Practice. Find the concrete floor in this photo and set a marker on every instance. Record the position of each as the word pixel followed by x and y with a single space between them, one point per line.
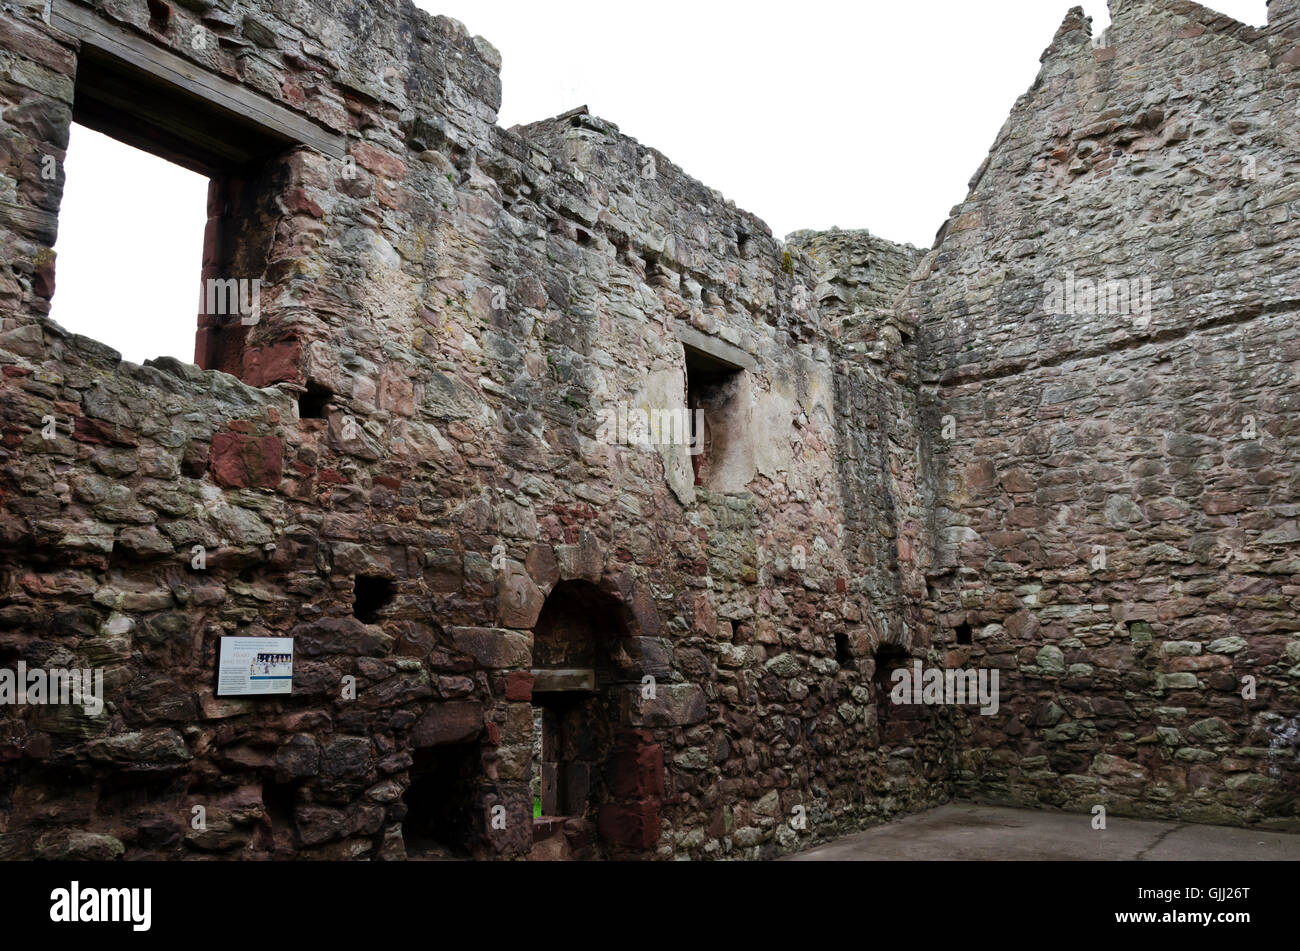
pixel 969 831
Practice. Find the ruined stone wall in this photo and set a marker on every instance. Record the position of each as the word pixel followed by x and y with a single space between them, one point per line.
pixel 859 277
pixel 1115 493
pixel 778 572
pixel 409 468
pixel 418 411
pixel 884 528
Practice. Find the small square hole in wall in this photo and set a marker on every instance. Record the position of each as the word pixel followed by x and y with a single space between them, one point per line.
pixel 842 655
pixel 313 403
pixel 371 595
pixel 963 633
pixel 714 410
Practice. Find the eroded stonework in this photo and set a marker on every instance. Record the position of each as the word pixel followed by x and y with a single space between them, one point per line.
pixel 401 464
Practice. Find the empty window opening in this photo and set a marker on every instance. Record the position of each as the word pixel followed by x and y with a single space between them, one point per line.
pixel 129 249
pixel 170 206
pixel 564 757
pixel 535 783
pixel 963 633
pixel 441 821
pixel 371 595
pixel 842 655
pixel 713 403
pixel 313 403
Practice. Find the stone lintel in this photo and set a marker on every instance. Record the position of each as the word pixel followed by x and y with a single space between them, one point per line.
pixel 715 349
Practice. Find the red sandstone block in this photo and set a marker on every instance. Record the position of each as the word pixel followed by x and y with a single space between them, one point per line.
pixel 102 433
pixel 519 686
pixel 630 825
pixel 276 363
pixel 378 161
pixel 43 278
pixel 34 45
pixel 237 461
pixel 299 203
pixel 450 722
pixel 636 773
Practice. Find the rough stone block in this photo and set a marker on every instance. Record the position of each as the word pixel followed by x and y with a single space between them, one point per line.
pixel 494 648
pixel 455 721
pixel 632 825
pixel 241 462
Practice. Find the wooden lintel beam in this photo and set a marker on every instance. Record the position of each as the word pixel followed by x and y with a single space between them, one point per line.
pixel 568 680
pixel 165 66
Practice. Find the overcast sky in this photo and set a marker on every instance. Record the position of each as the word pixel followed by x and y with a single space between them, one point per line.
pixel 868 114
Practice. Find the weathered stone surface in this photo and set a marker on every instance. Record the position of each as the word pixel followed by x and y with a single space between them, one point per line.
pixel 453 722
pixel 148 750
pixel 672 705
pixel 298 759
pixel 239 461
pixel 73 845
pixel 492 647
pixel 1108 460
pixel 906 456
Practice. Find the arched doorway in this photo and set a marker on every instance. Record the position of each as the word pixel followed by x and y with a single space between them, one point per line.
pixel 582 670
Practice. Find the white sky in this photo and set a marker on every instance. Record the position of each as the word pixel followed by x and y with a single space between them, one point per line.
pixel 868 114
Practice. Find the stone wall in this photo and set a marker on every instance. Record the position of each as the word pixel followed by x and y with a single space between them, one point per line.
pixel 1115 496
pixel 418 411
pixel 406 463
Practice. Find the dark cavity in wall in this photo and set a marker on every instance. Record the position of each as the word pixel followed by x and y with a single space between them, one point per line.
pixel 371 594
pixel 842 655
pixel 714 409
pixel 892 719
pixel 439 820
pixel 279 799
pixel 159 16
pixel 313 403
